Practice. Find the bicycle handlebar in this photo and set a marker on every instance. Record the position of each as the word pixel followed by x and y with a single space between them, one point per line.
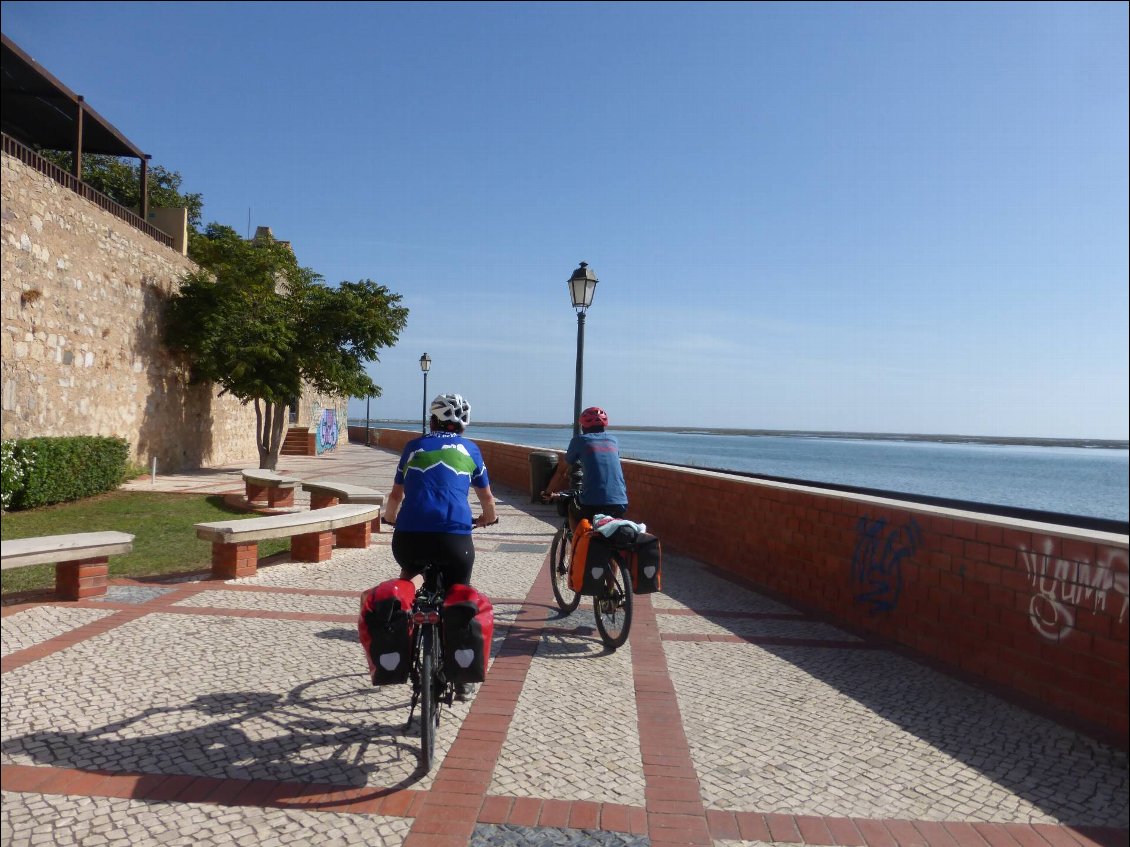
pixel 473 524
pixel 558 495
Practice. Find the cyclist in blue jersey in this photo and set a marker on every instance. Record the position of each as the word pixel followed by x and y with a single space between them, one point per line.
pixel 603 491
pixel 428 504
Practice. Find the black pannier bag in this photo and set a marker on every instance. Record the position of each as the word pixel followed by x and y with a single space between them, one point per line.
pixel 644 560
pixel 467 620
pixel 386 632
pixel 592 561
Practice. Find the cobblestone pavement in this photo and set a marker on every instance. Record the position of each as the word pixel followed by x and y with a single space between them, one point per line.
pixel 213 713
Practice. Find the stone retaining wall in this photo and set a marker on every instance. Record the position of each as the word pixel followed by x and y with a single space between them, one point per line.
pixel 1037 610
pixel 82 299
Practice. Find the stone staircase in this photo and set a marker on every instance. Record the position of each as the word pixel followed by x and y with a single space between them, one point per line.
pixel 297 442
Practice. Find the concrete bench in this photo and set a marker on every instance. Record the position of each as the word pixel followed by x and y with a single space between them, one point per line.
pixel 82 559
pixel 268 487
pixel 329 492
pixel 235 543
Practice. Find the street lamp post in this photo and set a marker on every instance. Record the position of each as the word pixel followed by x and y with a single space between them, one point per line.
pixel 367 421
pixel 425 365
pixel 582 286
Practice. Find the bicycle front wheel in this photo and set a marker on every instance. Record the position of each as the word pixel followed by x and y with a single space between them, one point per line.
pixel 429 711
pixel 560 561
pixel 613 607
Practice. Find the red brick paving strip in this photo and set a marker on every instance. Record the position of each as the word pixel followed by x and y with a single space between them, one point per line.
pixel 207 789
pixel 675 812
pixel 813 830
pixel 723 824
pixel 876 833
pixel 935 833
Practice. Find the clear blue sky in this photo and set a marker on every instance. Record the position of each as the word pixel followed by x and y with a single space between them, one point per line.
pixel 867 217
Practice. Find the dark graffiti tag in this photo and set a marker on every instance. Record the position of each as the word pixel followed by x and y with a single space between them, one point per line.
pixel 876 564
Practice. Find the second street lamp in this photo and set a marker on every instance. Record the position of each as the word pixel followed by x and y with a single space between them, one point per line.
pixel 425 366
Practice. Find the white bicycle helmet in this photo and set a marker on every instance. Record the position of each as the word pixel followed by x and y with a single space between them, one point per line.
pixel 451 408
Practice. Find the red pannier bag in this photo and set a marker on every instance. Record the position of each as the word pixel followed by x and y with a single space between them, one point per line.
pixel 592 560
pixel 385 628
pixel 644 559
pixel 467 622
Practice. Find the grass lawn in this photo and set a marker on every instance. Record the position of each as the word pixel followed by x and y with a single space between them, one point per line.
pixel 164 542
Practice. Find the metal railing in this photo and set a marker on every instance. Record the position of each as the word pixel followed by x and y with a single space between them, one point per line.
pixel 33 160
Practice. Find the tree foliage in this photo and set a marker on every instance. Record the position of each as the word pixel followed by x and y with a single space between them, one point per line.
pixel 120 180
pixel 261 326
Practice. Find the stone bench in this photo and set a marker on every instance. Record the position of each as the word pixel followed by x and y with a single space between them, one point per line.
pixel 82 559
pixel 269 488
pixel 328 492
pixel 235 543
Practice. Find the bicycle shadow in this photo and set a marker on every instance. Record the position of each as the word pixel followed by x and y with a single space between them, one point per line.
pixel 328 731
pixel 580 642
pixel 572 634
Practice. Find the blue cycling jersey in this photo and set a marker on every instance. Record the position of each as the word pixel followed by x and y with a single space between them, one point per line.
pixel 599 455
pixel 437 471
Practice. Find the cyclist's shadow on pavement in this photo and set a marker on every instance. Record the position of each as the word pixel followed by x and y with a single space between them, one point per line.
pixel 252 735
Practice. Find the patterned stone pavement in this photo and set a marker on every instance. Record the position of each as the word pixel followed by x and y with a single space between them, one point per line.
pixel 203 712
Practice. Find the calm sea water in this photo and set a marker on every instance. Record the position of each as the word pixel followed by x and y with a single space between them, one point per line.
pixel 1069 480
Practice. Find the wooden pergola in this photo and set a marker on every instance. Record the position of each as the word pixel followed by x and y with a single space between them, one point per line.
pixel 41 112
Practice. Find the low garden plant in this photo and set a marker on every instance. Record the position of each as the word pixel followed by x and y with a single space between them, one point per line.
pixel 41 471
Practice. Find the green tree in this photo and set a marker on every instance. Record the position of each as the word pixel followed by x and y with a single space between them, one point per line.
pixel 255 322
pixel 120 180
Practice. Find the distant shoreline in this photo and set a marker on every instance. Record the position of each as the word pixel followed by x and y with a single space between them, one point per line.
pixel 1093 443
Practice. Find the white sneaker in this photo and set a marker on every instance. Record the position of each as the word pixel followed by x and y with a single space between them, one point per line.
pixel 464 691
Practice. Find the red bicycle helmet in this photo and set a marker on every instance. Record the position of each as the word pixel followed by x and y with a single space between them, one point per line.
pixel 593 416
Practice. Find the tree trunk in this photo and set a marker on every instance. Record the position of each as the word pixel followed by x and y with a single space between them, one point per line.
pixel 270 418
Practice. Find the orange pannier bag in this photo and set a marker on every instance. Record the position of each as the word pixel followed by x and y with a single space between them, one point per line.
pixel 592 557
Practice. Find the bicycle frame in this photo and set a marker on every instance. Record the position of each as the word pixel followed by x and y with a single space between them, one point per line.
pixel 427 637
pixel 430 686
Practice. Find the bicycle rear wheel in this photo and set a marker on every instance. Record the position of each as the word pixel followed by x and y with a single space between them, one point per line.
pixel 613 607
pixel 429 694
pixel 560 561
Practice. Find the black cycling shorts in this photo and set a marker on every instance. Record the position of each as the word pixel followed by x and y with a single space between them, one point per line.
pixel 453 554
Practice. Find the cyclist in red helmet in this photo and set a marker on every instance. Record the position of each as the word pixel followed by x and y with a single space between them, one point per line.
pixel 603 491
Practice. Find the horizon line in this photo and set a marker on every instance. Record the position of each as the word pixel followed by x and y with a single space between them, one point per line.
pixel 1034 440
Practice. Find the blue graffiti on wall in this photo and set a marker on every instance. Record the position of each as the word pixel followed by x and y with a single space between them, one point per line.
pixel 876 565
pixel 325 435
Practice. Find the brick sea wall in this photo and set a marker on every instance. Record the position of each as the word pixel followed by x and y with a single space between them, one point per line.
pixel 1038 610
pixel 82 298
